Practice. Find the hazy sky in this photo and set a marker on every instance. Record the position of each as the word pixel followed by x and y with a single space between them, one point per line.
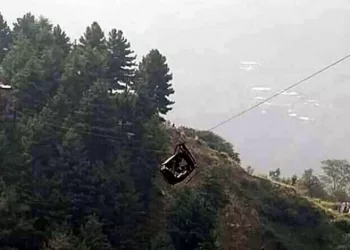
pixel 205 41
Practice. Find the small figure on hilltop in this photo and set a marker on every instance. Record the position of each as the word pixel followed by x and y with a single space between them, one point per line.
pixel 250 170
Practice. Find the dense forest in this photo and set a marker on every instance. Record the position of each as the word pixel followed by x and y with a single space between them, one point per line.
pixel 80 145
pixel 83 131
pixel 82 135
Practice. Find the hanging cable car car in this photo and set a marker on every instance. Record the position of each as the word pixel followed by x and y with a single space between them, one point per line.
pixel 180 165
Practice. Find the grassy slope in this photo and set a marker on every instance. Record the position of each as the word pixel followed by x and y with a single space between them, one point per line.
pixel 260 212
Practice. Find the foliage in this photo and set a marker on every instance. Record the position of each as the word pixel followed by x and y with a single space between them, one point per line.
pixel 336 176
pixel 275 174
pixel 193 222
pixel 61 239
pixel 5 38
pixel 121 61
pixel 312 185
pixel 345 242
pixel 153 83
pixel 81 159
pixel 287 221
pixel 213 141
pixel 194 219
pixel 91 235
pixel 78 165
pixel 340 195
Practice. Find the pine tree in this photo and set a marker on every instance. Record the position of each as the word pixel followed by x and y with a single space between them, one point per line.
pixel 97 117
pixel 61 238
pixel 80 178
pixel 44 38
pixel 93 37
pixel 16 227
pixel 34 65
pixel 93 45
pixel 83 67
pixel 48 202
pixel 92 236
pixel 192 222
pixel 54 55
pixel 17 58
pixel 5 38
pixel 25 71
pixel 122 206
pixel 37 31
pixel 121 62
pixel 153 85
pixel 25 28
pixel 74 79
pixel 75 149
pixel 61 39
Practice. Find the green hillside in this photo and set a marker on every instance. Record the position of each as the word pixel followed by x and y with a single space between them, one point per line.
pixel 82 135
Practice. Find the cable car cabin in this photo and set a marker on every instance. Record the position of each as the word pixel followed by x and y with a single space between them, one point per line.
pixel 180 165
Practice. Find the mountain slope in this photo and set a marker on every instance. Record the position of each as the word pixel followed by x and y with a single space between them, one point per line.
pixel 257 213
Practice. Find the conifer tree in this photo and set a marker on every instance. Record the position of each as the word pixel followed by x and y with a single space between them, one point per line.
pixel 44 38
pixel 24 70
pixel 5 38
pixel 34 65
pixel 153 83
pixel 61 39
pixel 97 116
pixel 93 37
pixel 74 79
pixel 25 28
pixel 74 149
pixel 61 238
pixel 121 62
pixel 83 67
pixel 92 236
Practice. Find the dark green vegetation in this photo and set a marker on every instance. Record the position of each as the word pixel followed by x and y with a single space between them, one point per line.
pixel 332 185
pixel 79 157
pixel 78 160
pixel 288 221
pixel 214 142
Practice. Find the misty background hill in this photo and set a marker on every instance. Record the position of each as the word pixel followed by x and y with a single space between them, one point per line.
pixel 205 42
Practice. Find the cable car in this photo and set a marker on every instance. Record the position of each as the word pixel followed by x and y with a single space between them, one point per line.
pixel 180 165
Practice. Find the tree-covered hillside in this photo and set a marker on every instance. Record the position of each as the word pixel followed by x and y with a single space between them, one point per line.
pixel 81 146
pixel 82 133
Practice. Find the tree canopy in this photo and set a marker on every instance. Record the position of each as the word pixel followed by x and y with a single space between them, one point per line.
pixel 82 138
pixel 79 169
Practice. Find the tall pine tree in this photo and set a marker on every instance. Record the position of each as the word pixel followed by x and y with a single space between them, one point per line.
pixel 25 27
pixel 93 37
pixel 34 65
pixel 79 151
pixel 153 83
pixel 121 61
pixel 61 39
pixel 5 38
